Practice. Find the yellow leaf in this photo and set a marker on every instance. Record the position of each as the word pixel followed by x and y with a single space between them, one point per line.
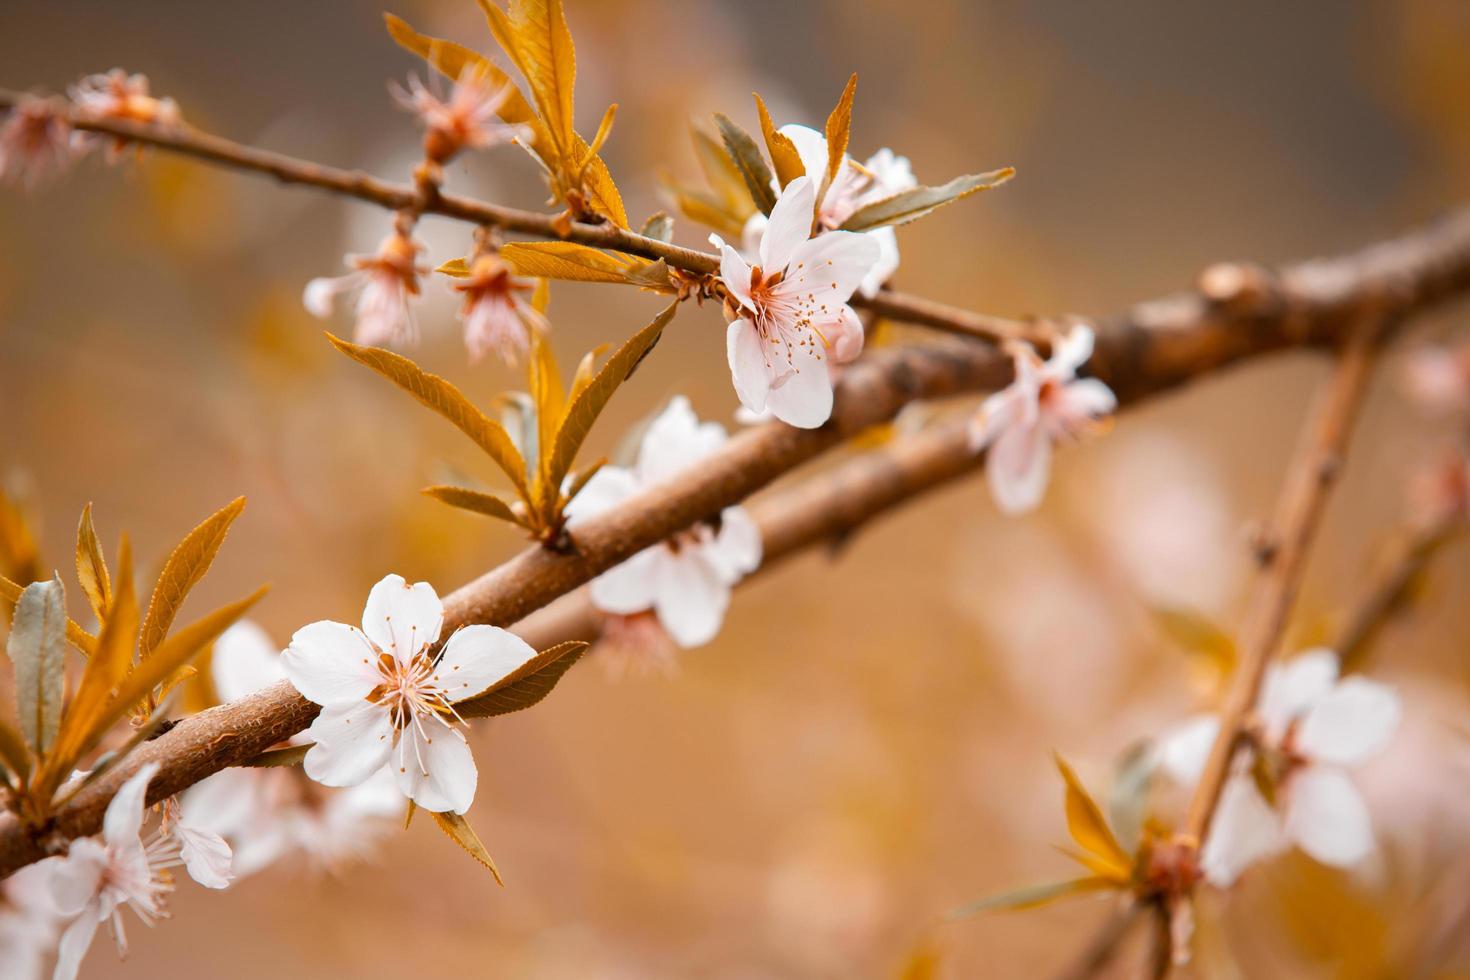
pixel 839 128
pixel 474 500
pixel 13 752
pixel 460 831
pixel 1088 828
pixel 526 685
pixel 549 62
pixel 444 398
pixel 586 371
pixel 723 175
pixel 183 570
pixel 602 192
pixel 783 152
pixel 541 296
pixel 1033 896
pixel 20 556
pixel 75 635
pixel 566 260
pixel 92 566
pixel 458 268
pixel 590 402
pixel 604 129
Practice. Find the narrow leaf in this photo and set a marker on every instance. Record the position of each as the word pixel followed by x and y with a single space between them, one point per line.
pixel 549 62
pixel 20 555
pixel 460 831
pixel 1088 828
pixel 526 685
pixel 75 635
pixel 183 570
pixel 590 402
pixel 290 756
pixel 604 129
pixel 839 129
pixel 549 400
pixel 1031 896
pixel 1195 634
pixel 37 648
pixel 92 566
pixel 474 500
pixel 602 192
pixel 724 176
pixel 13 751
pixel 659 227
pixel 784 155
pixel 439 395
pixel 748 161
pixel 105 763
pixel 564 260
pixel 457 268
pixel 909 205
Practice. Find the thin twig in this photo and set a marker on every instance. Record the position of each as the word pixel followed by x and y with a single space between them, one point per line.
pixel 1104 946
pixel 1313 473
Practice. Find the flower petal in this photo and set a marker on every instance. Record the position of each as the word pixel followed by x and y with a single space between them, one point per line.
pixel 1018 468
pixel 790 225
pixel 244 661
pixel 749 370
pixel 692 598
pixel 1070 353
pixel 331 663
pixel 630 587
pixel 76 878
pixel 1245 830
pixel 401 618
pixel 1183 751
pixel 1326 816
pixel 885 265
pixel 434 766
pixel 845 337
pixel 206 856
pixel 1087 398
pixel 734 272
pixel 352 742
pixel 1292 687
pixel 803 396
pixel 124 817
pixel 811 146
pixel 74 945
pixel 737 548
pixel 824 273
pixel 476 657
pixel 675 439
pixel 1350 724
pixel 608 487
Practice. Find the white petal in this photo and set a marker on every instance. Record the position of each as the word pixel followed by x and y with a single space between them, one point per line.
pixel 76 878
pixel 352 742
pixel 1349 725
pixel 124 817
pixel 1182 752
pixel 377 796
pixel 1244 831
pixel 748 368
pixel 995 415
pixel 790 225
pixel 608 487
pixel 1294 686
pixel 225 803
pixel 1018 468
pixel 845 337
pixel 206 856
pixel 734 272
pixel 737 548
pixel 330 663
pixel 811 146
pixel 402 618
pixel 692 598
pixel 1087 398
pixel 676 439
pixel 1070 353
pixel 435 768
pixel 476 657
pixel 318 295
pixel 803 396
pixel 74 945
pixel 630 587
pixel 1326 816
pixel 750 237
pixel 885 265
pixel 244 661
pixel 825 271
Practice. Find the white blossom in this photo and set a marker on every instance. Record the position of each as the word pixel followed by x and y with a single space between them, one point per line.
pixel 384 282
pixel 1046 403
pixel 686 580
pixel 789 312
pixel 386 695
pixel 1314 728
pixel 28 921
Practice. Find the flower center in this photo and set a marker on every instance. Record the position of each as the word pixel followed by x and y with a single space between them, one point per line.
pixel 787 321
pixel 408 690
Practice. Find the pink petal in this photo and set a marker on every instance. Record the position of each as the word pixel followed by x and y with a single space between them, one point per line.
pixel 803 397
pixel 749 371
pixel 1018 468
pixel 790 225
pixel 476 657
pixel 401 618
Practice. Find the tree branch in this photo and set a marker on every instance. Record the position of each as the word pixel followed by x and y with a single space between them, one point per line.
pixel 1313 473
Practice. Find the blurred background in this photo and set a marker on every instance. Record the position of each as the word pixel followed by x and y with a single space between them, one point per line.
pixel 867 743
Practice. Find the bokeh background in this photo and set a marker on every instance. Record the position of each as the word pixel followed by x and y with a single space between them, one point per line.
pixel 866 745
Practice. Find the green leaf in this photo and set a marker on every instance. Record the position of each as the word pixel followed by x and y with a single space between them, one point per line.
pixel 290 756
pixel 746 156
pixel 659 227
pixel 526 685
pixel 439 395
pixel 37 648
pixel 1088 828
pixel 92 566
pixel 909 205
pixel 460 831
pixel 590 402
pixel 1032 896
pixel 784 155
pixel 474 500
pixel 183 570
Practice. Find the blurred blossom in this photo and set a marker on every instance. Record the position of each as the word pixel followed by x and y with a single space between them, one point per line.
pixel 35 143
pixel 465 120
pixel 686 580
pixel 272 813
pixel 495 315
pixel 635 644
pixel 826 903
pixel 1438 378
pixel 788 313
pixel 386 695
pixel 384 283
pixel 1046 403
pixel 28 921
pixel 1313 728
pixel 855 186
pixel 1439 490
pixel 116 95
